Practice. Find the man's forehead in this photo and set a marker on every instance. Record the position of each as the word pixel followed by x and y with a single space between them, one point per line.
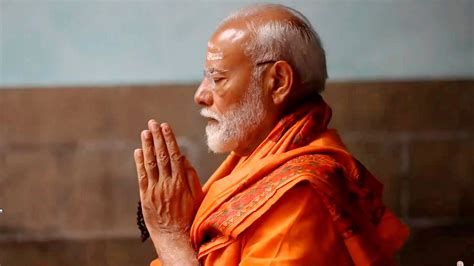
pixel 225 48
pixel 226 39
pixel 217 62
pixel 232 35
pixel 213 56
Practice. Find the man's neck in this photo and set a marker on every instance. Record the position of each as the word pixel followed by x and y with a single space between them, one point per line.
pixel 255 138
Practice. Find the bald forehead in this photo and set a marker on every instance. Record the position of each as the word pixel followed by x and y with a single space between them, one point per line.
pixel 233 33
pixel 226 44
pixel 237 28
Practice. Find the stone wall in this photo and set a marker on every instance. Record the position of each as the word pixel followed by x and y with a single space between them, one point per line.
pixel 68 187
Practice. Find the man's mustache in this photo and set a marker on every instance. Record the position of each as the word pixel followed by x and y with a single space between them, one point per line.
pixel 205 112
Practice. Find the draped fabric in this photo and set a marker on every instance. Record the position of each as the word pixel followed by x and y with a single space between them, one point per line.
pixel 299 150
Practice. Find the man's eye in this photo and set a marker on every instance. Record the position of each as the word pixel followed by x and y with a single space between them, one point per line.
pixel 217 79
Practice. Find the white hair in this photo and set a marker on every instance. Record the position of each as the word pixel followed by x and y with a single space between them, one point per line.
pixel 293 40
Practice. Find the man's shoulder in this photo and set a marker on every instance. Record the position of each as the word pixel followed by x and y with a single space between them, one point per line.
pixel 307 166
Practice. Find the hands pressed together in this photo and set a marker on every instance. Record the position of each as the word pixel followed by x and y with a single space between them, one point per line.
pixel 170 193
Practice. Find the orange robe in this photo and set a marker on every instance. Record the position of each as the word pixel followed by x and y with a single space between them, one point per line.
pixel 299 199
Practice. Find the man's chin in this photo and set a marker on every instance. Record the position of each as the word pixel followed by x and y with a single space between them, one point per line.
pixel 217 146
pixel 216 151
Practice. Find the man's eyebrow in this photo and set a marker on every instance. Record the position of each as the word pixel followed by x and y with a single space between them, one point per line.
pixel 213 70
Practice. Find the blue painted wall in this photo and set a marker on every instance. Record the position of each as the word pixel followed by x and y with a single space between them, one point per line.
pixel 115 42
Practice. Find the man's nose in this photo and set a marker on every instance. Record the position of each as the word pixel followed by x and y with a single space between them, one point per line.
pixel 203 95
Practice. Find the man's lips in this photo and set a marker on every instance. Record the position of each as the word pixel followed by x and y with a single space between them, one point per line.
pixel 211 120
pixel 210 116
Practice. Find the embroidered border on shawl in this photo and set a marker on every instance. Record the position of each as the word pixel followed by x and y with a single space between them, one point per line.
pixel 236 209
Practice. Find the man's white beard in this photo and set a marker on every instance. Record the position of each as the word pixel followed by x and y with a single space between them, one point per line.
pixel 235 125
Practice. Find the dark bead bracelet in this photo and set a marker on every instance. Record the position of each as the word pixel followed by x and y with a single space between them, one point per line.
pixel 141 223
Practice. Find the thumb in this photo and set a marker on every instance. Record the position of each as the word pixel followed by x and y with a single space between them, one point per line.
pixel 193 180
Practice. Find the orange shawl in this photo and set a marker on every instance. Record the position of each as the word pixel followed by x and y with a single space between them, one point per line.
pixel 371 233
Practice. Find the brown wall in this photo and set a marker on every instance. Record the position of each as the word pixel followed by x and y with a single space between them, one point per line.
pixel 68 186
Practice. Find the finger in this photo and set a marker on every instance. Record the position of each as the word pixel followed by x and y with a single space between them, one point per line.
pixel 149 158
pixel 176 162
pixel 193 180
pixel 141 172
pixel 160 150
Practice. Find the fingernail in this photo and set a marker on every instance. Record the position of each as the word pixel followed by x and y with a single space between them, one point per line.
pixel 166 128
pixel 145 134
pixel 137 152
pixel 154 126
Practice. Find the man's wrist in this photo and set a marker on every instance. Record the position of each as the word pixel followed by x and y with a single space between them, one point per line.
pixel 175 248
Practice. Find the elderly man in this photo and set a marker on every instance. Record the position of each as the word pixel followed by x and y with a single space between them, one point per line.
pixel 289 193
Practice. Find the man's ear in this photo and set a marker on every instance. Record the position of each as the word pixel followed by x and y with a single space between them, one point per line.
pixel 282 76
